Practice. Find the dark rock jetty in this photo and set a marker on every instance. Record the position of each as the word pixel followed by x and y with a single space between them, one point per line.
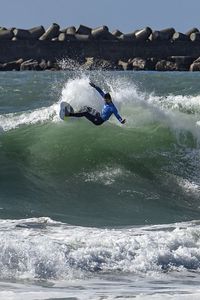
pixel 97 48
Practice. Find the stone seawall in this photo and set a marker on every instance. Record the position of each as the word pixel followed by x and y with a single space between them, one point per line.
pixel 37 49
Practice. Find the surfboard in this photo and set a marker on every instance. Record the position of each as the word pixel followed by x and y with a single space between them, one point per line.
pixel 65 110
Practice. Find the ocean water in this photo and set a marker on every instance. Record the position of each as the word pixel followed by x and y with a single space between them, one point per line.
pixel 108 212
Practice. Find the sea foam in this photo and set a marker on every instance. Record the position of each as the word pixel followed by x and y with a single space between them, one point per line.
pixel 43 249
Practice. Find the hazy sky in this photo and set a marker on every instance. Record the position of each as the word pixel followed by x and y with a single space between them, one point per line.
pixel 126 15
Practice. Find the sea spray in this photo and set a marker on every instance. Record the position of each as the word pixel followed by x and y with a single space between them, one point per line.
pixel 70 166
pixel 44 249
pixel 114 184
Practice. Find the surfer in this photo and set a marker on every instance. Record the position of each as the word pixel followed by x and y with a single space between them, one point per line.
pixel 93 115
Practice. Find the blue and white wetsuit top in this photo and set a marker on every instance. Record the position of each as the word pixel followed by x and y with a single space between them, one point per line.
pixel 108 109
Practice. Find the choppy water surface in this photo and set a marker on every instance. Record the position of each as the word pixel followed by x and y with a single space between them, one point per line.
pixel 111 211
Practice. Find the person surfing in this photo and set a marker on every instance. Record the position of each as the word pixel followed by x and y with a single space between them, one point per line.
pixel 93 115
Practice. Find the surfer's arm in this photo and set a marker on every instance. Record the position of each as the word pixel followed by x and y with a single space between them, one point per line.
pixel 97 89
pixel 119 118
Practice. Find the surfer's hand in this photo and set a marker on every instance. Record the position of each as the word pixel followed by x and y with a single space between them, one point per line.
pixel 123 121
pixel 92 84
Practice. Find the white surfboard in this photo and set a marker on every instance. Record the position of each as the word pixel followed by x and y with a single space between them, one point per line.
pixel 65 110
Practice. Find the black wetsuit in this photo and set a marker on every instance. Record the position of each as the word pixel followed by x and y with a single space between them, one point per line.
pixel 93 115
pixel 90 113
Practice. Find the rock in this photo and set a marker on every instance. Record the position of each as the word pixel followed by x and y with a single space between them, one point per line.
pixel 43 65
pixel 30 65
pixel 127 37
pixel 117 33
pixel 70 37
pixel 195 67
pixel 162 35
pixel 182 62
pixel 22 34
pixel 139 63
pixel 66 37
pixel 178 36
pixel 13 65
pixel 143 34
pixel 125 65
pixel 193 30
pixel 84 30
pixel 62 37
pixel 195 37
pixel 98 64
pixel 51 32
pixel 89 64
pixel 82 37
pixel 71 30
pixel 6 34
pixel 159 36
pixel 102 33
pixel 197 60
pixel 164 65
pixel 168 32
pixel 51 65
pixel 36 32
pixel 63 30
pixel 2 67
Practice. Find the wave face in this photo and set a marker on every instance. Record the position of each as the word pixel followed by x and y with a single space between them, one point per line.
pixel 146 172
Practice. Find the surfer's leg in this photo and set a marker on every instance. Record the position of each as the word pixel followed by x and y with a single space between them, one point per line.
pixel 89 113
pixel 81 113
pixel 95 119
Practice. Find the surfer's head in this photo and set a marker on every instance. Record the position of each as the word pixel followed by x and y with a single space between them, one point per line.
pixel 107 98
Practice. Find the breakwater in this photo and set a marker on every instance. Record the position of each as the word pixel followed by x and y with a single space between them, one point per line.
pixel 83 47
